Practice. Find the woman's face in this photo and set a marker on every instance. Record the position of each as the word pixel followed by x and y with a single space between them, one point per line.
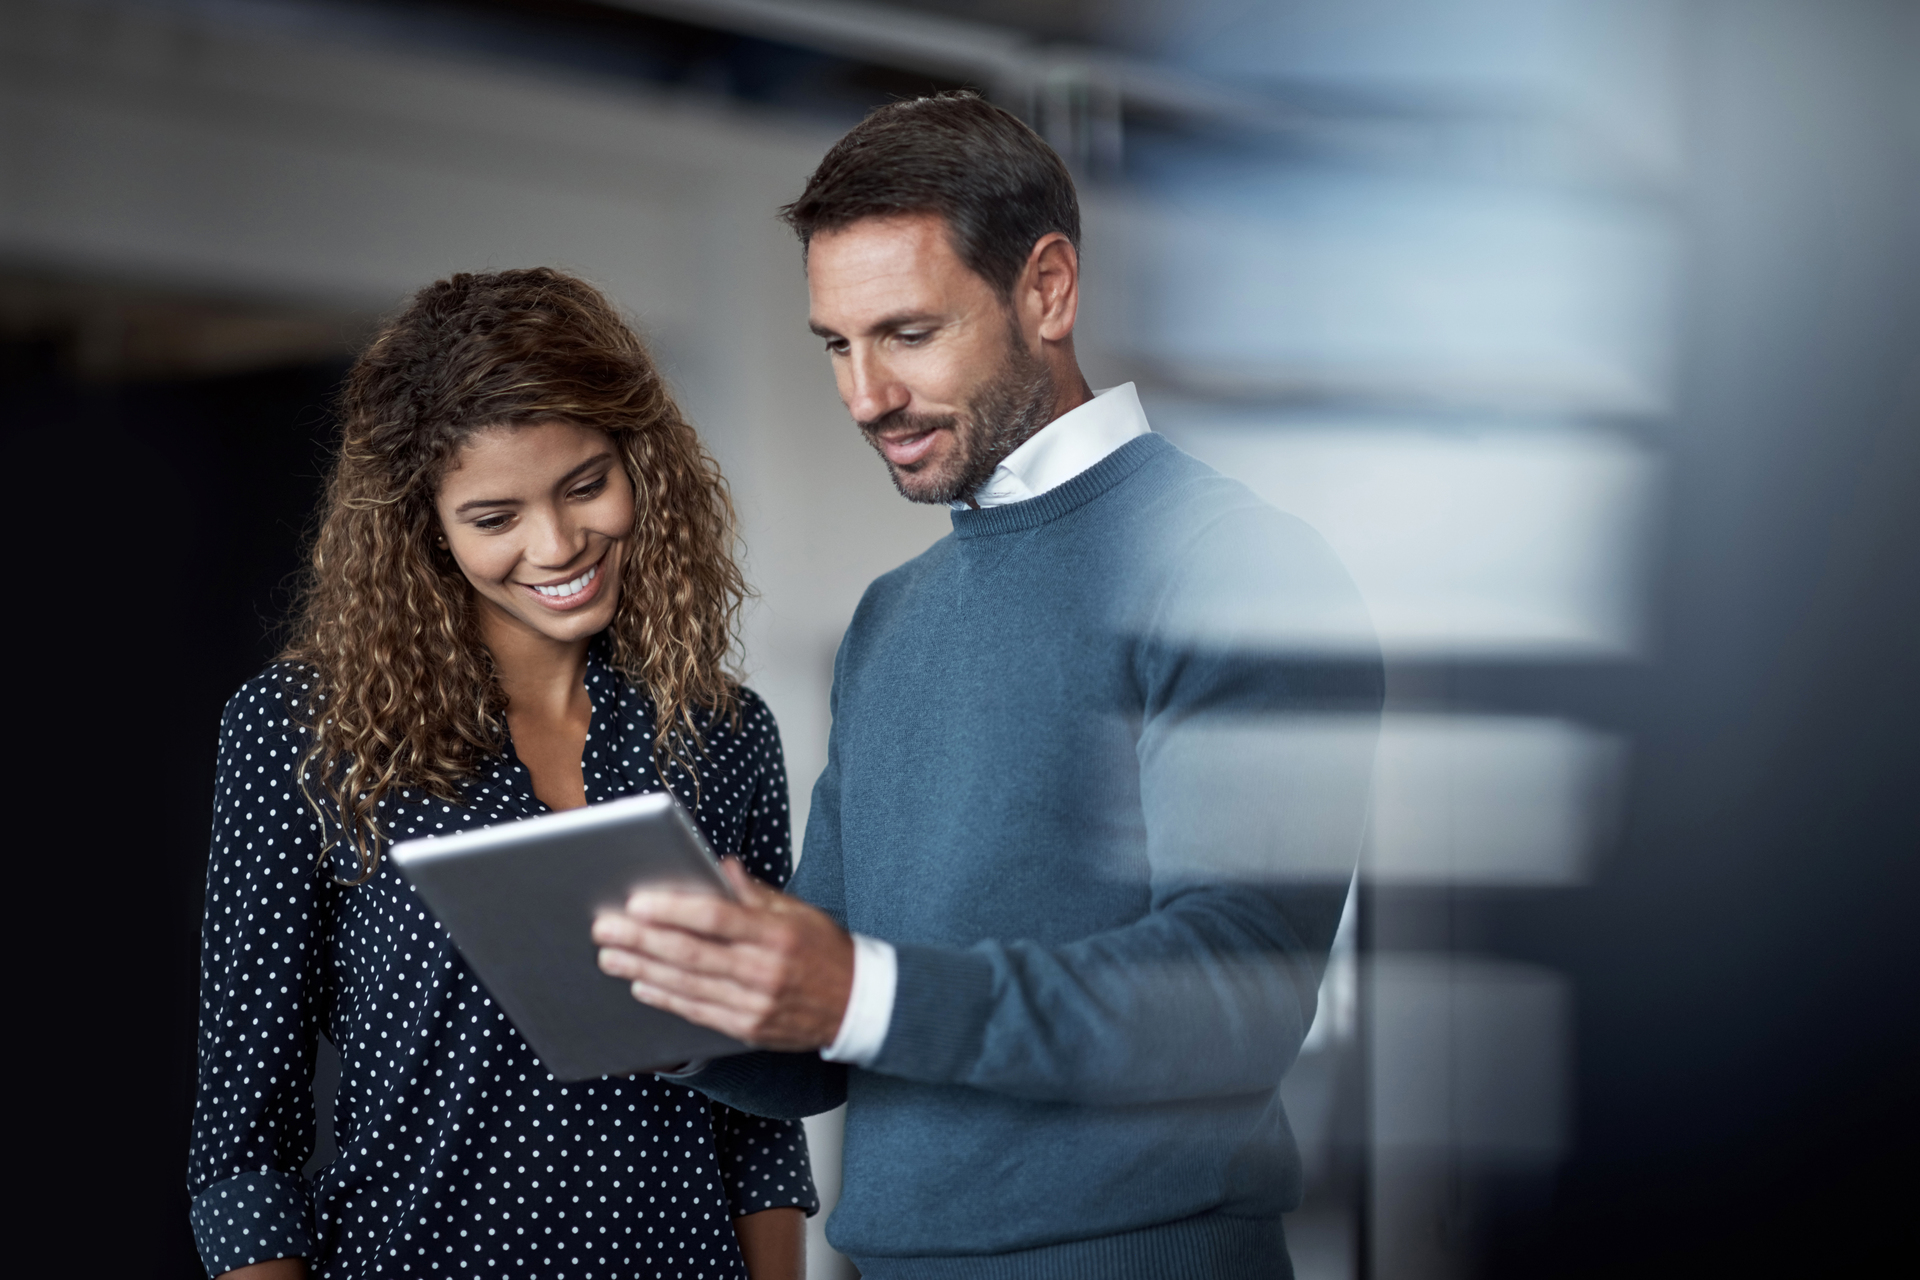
pixel 538 517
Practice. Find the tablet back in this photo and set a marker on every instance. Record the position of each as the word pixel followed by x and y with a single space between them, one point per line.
pixel 519 900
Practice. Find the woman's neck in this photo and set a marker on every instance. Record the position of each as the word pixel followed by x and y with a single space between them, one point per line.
pixel 543 678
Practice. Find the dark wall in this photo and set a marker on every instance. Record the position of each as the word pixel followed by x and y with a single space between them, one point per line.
pixel 161 523
pixel 1746 966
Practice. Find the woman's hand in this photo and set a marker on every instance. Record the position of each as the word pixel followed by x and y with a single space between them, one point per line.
pixel 774 1244
pixel 278 1269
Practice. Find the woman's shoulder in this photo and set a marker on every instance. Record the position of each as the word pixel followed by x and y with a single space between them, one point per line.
pixel 750 719
pixel 743 731
pixel 754 710
pixel 280 697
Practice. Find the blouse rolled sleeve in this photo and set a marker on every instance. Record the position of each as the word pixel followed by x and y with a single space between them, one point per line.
pixel 261 991
pixel 766 843
pixel 763 1163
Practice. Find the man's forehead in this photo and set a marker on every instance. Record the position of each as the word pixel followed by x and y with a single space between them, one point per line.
pixel 923 232
pixel 882 265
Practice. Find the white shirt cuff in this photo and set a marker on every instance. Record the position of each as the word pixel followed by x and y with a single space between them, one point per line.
pixel 863 1028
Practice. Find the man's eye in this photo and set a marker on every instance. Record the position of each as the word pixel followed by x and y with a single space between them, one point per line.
pixel 912 337
pixel 836 346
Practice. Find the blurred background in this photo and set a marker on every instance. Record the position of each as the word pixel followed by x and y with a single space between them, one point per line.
pixel 1586 330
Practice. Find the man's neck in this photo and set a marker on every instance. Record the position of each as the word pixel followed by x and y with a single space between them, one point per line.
pixel 1073 391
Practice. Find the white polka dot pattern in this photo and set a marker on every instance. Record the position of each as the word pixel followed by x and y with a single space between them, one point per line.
pixel 458 1154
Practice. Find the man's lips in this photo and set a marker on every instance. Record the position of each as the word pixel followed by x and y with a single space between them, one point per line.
pixel 903 449
pixel 566 594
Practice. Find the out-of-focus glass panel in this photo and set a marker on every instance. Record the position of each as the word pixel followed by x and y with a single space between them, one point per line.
pixel 1490 800
pixel 1496 543
pixel 1606 70
pixel 1403 287
pixel 1469 1055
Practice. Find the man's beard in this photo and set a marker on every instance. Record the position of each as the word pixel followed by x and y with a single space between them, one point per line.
pixel 1002 415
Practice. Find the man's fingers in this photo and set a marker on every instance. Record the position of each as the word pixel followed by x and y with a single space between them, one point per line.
pixel 723 992
pixel 681 950
pixel 724 1020
pixel 745 921
pixel 613 928
pixel 750 891
pixel 617 929
pixel 695 912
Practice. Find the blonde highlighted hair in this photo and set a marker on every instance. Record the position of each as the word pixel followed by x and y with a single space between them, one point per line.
pixel 406 694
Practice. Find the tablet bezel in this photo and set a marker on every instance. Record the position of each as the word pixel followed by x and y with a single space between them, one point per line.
pixel 518 901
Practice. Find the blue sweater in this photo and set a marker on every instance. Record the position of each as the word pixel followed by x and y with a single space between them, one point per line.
pixel 1098 772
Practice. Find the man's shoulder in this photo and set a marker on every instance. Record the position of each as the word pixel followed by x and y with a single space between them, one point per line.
pixel 1184 509
pixel 1216 564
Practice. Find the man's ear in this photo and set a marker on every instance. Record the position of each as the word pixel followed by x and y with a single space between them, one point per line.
pixel 1051 282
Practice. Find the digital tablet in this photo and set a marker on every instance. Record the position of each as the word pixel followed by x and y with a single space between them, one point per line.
pixel 519 900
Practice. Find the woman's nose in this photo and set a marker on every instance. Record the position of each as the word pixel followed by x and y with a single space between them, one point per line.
pixel 555 541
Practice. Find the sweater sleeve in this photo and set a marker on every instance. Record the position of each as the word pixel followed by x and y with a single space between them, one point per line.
pixel 1255 759
pixel 262 992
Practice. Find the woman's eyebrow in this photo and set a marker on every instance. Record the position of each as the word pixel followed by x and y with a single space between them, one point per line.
pixel 588 465
pixel 566 479
pixel 464 507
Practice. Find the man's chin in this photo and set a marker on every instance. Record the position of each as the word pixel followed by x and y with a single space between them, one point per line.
pixel 934 488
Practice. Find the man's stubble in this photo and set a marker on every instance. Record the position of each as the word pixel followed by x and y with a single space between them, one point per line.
pixel 1001 416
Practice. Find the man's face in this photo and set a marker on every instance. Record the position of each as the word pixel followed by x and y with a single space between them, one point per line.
pixel 929 359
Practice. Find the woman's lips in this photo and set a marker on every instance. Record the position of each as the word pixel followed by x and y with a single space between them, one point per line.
pixel 575 593
pixel 904 451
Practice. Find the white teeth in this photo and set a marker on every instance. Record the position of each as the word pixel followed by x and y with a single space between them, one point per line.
pixel 573 588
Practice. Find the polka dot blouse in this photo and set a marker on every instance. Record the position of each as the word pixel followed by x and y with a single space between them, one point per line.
pixel 458 1154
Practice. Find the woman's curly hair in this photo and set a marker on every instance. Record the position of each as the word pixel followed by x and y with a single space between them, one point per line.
pixel 406 693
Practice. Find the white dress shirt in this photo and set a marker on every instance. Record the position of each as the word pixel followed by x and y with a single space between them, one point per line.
pixel 1050 457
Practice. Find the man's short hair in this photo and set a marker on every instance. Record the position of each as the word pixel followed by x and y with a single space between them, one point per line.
pixel 997 183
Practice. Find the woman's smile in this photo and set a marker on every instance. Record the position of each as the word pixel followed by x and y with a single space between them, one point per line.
pixel 569 593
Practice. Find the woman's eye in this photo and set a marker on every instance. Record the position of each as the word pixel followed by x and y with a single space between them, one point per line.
pixel 491 524
pixel 591 489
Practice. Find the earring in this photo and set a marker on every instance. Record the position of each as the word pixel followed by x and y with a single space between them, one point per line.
pixel 442 540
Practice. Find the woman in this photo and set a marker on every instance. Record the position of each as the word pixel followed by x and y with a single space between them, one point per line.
pixel 521 599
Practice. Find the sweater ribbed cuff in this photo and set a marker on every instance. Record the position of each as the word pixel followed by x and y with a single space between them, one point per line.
pixel 942 1000
pixel 724 1078
pixel 253 1217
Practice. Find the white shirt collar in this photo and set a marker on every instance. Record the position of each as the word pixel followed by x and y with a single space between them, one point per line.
pixel 1065 447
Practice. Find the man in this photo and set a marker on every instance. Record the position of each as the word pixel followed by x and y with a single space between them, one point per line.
pixel 1094 787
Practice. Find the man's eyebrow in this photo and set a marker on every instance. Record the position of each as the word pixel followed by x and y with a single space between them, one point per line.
pixel 901 320
pixel 588 465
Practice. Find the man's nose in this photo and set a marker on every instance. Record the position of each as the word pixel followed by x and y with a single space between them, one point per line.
pixel 871 390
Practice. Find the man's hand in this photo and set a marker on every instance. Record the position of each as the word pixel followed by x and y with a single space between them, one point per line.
pixel 768 970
